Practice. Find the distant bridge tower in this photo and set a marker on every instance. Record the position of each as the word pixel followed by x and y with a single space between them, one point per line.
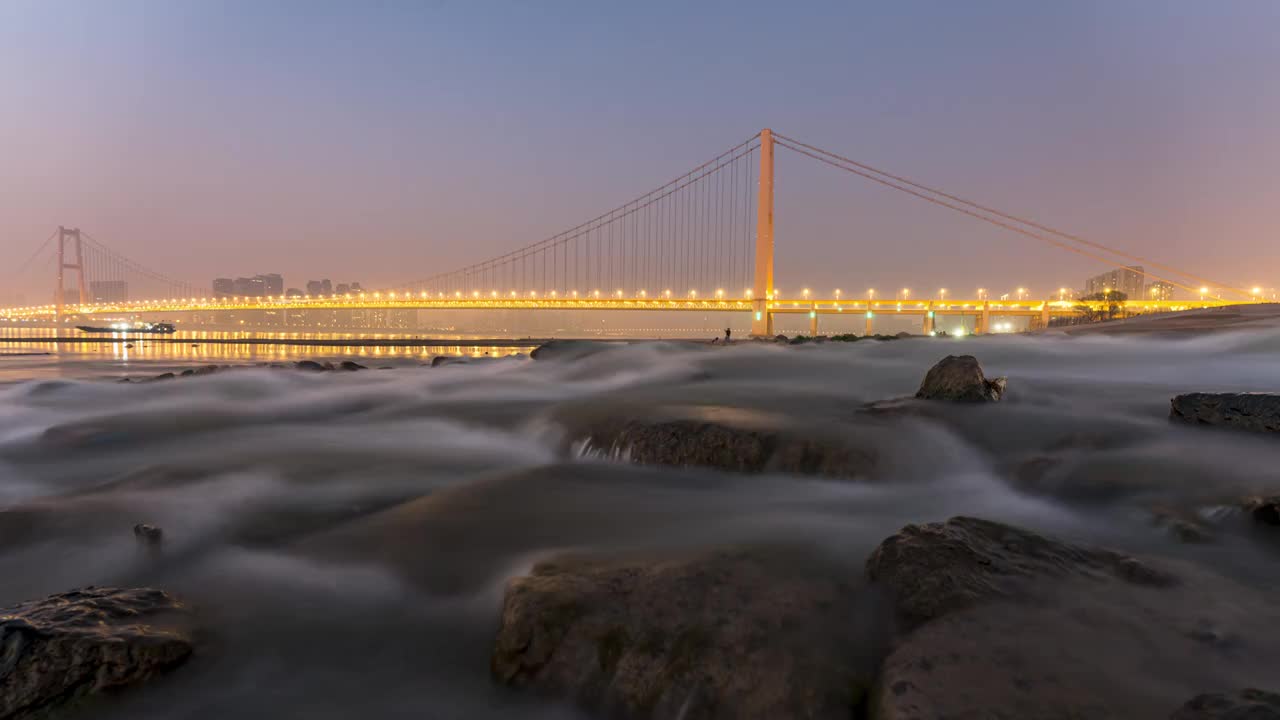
pixel 65 234
pixel 762 292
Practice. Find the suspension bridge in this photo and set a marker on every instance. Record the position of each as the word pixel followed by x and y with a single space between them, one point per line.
pixel 703 241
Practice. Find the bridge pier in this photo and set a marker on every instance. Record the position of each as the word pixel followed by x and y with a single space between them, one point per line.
pixel 1044 315
pixel 870 322
pixel 928 319
pixel 761 319
pixel 813 320
pixel 762 292
pixel 983 326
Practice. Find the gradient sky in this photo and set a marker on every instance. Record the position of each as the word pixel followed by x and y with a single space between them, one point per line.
pixel 384 141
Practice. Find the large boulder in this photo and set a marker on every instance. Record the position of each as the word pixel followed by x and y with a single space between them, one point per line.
pixel 728 444
pixel 771 634
pixel 65 646
pixel 960 378
pixel 569 350
pixel 938 568
pixel 1000 622
pixel 1248 704
pixel 1257 412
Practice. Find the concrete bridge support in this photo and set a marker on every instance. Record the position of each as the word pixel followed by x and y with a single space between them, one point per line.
pixel 762 292
pixel 983 326
pixel 59 300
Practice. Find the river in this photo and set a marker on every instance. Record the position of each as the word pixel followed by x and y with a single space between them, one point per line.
pixel 314 520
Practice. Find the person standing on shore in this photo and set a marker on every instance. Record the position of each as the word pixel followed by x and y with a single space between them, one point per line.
pixel 727 333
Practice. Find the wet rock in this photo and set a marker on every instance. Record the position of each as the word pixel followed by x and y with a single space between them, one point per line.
pixel 188 372
pixel 1264 511
pixel 1248 704
pixel 84 642
pixel 1001 622
pixel 1184 527
pixel 780 339
pixel 960 378
pixel 567 350
pixel 442 360
pixel 725 446
pixel 164 376
pixel 1256 412
pixel 351 366
pixel 902 335
pixel 149 535
pixel 729 634
pixel 938 568
pixel 310 365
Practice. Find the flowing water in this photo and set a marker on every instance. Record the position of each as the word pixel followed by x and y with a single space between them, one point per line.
pixel 345 537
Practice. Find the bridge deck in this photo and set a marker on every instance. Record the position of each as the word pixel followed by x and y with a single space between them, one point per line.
pixel 829 306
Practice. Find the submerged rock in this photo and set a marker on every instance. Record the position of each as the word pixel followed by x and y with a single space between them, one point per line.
pixel 1248 704
pixel 149 535
pixel 725 446
pixel 310 365
pixel 1257 412
pixel 351 366
pixel 1184 527
pixel 567 350
pixel 83 642
pixel 729 634
pixel 960 378
pixel 1264 510
pixel 441 360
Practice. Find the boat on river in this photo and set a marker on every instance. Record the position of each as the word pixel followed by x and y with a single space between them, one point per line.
pixel 150 328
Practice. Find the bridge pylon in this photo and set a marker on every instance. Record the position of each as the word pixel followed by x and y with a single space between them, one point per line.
pixel 59 300
pixel 762 291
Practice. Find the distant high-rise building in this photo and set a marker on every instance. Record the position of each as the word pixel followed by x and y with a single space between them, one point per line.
pixel 319 287
pixel 1127 280
pixel 355 287
pixel 273 284
pixel 294 292
pixel 1159 290
pixel 106 291
pixel 251 287
pixel 342 288
pixel 223 287
pixel 256 286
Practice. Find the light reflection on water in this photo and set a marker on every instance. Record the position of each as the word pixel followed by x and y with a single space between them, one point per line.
pixel 125 354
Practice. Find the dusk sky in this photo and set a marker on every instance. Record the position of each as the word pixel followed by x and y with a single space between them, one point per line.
pixel 384 141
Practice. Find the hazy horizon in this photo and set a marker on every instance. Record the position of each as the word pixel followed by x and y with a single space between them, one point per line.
pixel 380 145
